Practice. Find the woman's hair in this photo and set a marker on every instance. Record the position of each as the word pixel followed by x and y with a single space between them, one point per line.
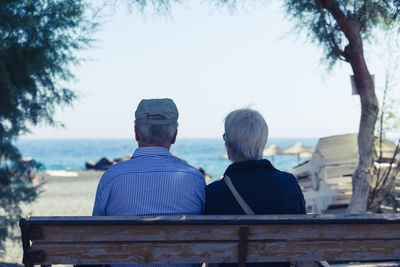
pixel 247 132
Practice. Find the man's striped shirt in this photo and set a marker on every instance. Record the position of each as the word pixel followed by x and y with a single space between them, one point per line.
pixel 152 182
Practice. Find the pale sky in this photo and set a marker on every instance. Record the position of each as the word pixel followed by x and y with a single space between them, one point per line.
pixel 210 61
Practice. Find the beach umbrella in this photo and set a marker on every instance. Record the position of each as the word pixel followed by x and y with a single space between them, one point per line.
pixel 305 155
pixel 299 150
pixel 224 156
pixel 272 150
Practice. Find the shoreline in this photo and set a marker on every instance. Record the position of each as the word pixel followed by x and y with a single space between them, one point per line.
pixel 61 196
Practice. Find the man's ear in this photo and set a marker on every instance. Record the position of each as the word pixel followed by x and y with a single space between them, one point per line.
pixel 136 135
pixel 174 138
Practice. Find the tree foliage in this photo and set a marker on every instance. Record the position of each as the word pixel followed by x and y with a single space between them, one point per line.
pixel 38 41
pixel 323 28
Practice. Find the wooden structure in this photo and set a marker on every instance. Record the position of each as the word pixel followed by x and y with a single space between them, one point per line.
pixel 212 239
pixel 326 179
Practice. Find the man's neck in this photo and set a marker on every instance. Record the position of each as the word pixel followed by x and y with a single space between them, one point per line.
pixel 143 144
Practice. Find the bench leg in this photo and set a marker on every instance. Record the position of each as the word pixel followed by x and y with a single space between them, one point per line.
pixel 23 224
pixel 243 245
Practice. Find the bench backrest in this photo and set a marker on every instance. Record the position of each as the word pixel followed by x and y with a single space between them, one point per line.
pixel 197 239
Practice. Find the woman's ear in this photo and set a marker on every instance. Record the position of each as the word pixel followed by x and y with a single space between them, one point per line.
pixel 228 146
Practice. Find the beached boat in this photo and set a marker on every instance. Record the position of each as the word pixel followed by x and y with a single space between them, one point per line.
pixel 326 179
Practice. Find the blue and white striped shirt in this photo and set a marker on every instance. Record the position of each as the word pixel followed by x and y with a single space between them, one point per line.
pixel 152 182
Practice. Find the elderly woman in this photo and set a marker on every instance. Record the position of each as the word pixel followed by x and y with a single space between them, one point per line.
pixel 251 185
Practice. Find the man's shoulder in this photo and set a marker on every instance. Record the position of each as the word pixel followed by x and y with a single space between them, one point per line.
pixel 120 167
pixel 114 171
pixel 140 165
pixel 184 166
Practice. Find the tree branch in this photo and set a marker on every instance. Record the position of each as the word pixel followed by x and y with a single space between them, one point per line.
pixel 330 37
pixel 345 24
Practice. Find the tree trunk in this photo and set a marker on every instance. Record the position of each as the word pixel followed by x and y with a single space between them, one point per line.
pixel 369 112
pixel 354 54
pixel 364 172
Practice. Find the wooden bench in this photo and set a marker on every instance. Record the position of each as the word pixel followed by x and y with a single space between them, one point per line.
pixel 212 239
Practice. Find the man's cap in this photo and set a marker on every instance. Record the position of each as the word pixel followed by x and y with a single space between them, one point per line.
pixel 156 112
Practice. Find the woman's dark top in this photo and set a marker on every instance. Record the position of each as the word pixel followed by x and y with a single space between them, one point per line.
pixel 265 189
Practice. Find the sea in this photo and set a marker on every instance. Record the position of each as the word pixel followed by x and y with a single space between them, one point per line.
pixel 71 154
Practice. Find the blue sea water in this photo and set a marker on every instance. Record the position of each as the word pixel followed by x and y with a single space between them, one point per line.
pixel 71 154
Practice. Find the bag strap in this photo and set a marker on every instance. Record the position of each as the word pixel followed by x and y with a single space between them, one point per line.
pixel 238 197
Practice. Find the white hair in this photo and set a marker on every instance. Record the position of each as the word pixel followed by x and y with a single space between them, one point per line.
pixel 247 132
pixel 156 134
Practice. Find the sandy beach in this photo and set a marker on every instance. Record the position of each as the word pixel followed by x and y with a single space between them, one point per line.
pixel 62 196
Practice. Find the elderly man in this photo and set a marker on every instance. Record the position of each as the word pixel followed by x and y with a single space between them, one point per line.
pixel 152 181
pixel 251 185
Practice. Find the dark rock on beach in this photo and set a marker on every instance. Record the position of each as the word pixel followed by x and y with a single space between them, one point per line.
pixel 90 165
pixel 104 163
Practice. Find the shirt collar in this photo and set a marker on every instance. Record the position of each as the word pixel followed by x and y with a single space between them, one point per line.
pixel 242 165
pixel 151 150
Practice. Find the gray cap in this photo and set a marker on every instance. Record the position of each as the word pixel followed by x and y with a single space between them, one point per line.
pixel 148 109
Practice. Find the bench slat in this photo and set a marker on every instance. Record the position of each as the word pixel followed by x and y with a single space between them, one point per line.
pixel 218 252
pixel 126 233
pixel 217 219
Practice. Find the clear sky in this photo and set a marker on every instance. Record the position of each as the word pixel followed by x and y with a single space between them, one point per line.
pixel 210 61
